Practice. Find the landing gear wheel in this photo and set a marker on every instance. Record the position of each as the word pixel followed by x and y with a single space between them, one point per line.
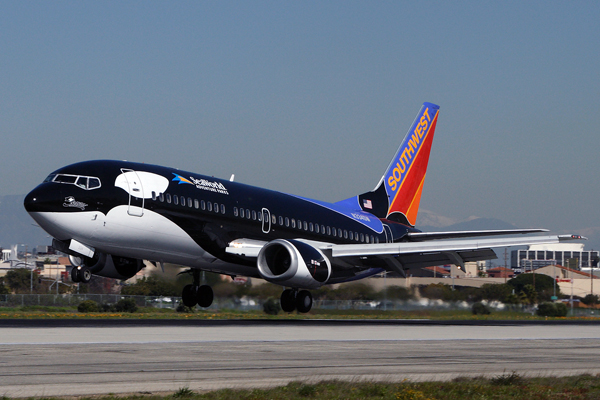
pixel 75 275
pixel 304 301
pixel 205 296
pixel 288 300
pixel 188 296
pixel 84 274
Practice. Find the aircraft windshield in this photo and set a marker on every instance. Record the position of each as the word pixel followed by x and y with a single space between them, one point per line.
pixel 84 182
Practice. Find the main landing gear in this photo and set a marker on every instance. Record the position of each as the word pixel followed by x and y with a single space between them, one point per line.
pixel 292 299
pixel 81 274
pixel 197 294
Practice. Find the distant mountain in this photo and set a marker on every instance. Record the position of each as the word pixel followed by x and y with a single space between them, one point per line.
pixel 432 223
pixel 17 227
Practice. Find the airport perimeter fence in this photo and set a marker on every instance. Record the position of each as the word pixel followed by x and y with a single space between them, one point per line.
pixel 245 303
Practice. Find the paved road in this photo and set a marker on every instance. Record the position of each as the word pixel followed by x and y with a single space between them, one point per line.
pixel 90 358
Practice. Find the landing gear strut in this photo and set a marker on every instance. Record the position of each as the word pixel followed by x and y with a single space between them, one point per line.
pixel 197 294
pixel 292 299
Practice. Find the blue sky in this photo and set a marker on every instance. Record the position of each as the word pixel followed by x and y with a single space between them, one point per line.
pixel 313 98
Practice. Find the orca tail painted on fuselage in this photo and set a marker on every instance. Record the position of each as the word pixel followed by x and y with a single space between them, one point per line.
pixel 398 193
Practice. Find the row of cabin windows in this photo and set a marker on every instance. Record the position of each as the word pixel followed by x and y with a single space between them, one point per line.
pixel 257 216
pixel 307 226
pixel 195 203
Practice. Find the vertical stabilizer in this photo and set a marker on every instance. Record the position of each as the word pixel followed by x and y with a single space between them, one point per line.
pixel 398 194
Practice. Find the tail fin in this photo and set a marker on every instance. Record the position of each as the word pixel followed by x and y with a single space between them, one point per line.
pixel 398 193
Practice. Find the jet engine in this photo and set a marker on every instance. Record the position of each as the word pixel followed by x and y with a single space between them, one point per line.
pixel 293 263
pixel 109 266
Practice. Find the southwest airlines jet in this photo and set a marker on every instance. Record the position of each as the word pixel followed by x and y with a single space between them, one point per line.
pixel 110 215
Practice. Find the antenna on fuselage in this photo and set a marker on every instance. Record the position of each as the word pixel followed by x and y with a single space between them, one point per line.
pixel 232 178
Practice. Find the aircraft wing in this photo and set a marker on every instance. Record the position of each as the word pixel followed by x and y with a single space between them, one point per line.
pixel 400 256
pixel 407 255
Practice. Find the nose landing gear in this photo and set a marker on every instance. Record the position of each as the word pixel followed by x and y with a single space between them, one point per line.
pixel 292 299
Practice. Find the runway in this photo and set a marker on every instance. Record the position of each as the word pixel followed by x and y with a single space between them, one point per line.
pixel 91 358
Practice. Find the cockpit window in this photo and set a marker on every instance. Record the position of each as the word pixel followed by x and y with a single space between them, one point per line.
pixel 65 178
pixel 84 182
pixel 93 183
pixel 50 178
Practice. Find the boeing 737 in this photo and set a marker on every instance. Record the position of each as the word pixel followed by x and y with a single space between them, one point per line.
pixel 109 216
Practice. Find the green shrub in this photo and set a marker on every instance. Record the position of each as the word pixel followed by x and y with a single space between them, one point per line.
pixel 88 306
pixel 271 306
pixel 183 308
pixel 126 305
pixel 480 309
pixel 105 307
pixel 561 309
pixel 549 309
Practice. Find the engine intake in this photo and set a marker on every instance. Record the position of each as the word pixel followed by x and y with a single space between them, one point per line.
pixel 293 263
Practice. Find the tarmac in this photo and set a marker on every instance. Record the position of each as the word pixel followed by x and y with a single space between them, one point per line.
pixel 90 357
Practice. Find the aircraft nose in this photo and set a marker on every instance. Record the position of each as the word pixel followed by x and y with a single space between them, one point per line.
pixel 33 201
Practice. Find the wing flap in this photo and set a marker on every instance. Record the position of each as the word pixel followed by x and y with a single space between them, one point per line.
pixel 421 236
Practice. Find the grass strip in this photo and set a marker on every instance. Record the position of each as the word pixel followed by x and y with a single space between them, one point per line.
pixel 50 312
pixel 505 386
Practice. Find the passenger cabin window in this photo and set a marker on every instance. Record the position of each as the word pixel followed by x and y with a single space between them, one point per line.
pixel 189 202
pixel 161 197
pixel 293 223
pixel 248 214
pixel 254 215
pixel 241 213
pixel 311 227
pixel 287 221
pixel 169 198
pixel 281 220
pixel 216 207
pixel 235 211
pixel 222 208
pixel 176 200
pixel 203 204
pixel 196 204
pixel 209 206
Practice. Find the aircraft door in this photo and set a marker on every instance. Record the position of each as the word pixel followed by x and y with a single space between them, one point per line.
pixel 136 193
pixel 266 220
pixel 389 238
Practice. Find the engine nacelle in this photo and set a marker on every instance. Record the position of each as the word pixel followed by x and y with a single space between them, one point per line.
pixel 293 263
pixel 109 266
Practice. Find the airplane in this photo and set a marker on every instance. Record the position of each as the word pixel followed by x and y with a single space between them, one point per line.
pixel 109 216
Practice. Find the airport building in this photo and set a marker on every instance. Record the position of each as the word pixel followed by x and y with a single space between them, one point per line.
pixel 570 255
